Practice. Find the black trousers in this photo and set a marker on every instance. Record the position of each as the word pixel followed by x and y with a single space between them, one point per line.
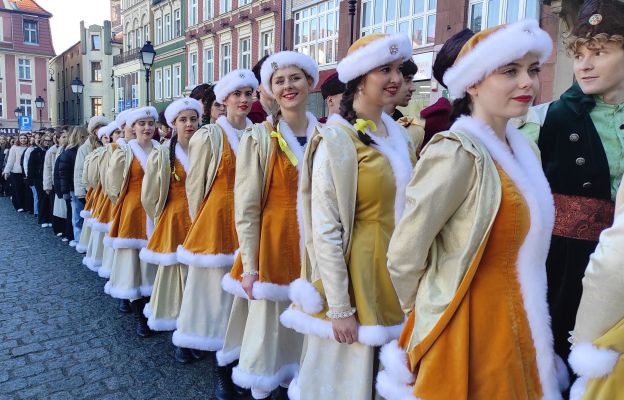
pixel 68 230
pixel 29 201
pixel 19 191
pixel 44 211
pixel 3 186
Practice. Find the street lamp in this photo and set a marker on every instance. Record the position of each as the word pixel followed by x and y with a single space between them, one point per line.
pixel 39 103
pixel 77 87
pixel 147 57
pixel 351 12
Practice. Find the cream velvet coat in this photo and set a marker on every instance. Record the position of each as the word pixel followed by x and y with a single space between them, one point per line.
pixel 118 172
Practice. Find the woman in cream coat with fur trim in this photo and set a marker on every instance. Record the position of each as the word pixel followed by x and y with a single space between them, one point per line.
pixel 598 336
pixel 470 271
pixel 164 198
pixel 131 279
pixel 354 176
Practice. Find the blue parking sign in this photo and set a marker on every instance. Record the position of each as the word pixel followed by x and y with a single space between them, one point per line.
pixel 25 124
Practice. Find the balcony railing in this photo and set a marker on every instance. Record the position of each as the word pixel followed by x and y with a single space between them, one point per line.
pixel 126 56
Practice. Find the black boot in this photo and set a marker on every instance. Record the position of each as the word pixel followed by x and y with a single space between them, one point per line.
pixel 183 355
pixel 198 354
pixel 223 385
pixel 142 330
pixel 281 393
pixel 124 306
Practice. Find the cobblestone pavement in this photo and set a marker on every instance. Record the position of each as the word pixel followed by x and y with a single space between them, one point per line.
pixel 61 337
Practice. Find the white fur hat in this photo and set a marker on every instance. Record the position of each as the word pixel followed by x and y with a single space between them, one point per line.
pixel 239 78
pixel 96 121
pixel 107 130
pixel 141 113
pixel 121 117
pixel 186 103
pixel 372 51
pixel 286 59
pixel 493 48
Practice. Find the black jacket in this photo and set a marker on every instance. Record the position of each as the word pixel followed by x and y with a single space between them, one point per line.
pixel 66 163
pixel 35 164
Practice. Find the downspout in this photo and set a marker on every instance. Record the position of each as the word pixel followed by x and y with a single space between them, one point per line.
pixel 283 21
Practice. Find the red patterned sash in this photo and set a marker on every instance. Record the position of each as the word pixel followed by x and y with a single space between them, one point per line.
pixel 583 218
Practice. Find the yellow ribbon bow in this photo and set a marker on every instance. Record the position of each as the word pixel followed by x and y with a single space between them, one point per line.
pixel 284 146
pixel 362 124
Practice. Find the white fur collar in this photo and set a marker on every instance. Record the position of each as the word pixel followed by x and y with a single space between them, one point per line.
pixel 524 168
pixel 121 140
pixel 233 134
pixel 139 153
pixel 291 139
pixel 394 148
pixel 182 157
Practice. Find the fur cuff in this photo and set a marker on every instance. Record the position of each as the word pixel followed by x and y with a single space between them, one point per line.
pixel 294 391
pixel 578 388
pixel 305 295
pixel 590 361
pixel 263 382
pixel 205 260
pixel 228 357
pixel 233 286
pixel 104 272
pixel 394 360
pixel 269 291
pixel 124 243
pixel 562 373
pixel 152 257
pixel 390 389
pixel 100 226
pixel 81 248
pixel 84 214
pixel 196 342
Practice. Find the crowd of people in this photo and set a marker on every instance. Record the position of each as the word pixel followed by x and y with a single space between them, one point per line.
pixel 368 254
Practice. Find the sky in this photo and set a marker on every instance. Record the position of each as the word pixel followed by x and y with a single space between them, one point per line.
pixel 67 14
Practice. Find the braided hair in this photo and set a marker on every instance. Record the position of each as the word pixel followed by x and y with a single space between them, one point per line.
pixel 172 157
pixel 346 108
pixel 205 94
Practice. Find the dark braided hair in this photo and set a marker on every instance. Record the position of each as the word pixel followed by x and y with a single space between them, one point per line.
pixel 205 94
pixel 346 107
pixel 172 157
pixel 461 106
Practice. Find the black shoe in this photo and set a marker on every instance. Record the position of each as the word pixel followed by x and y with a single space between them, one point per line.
pixel 124 306
pixel 198 354
pixel 142 329
pixel 183 355
pixel 223 385
pixel 281 393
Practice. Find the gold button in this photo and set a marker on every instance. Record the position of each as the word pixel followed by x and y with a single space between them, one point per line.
pixel 580 161
pixel 587 185
pixel 574 137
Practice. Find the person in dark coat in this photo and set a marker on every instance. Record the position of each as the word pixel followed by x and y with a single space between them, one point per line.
pixel 4 145
pixel 332 90
pixel 35 177
pixel 266 105
pixel 66 163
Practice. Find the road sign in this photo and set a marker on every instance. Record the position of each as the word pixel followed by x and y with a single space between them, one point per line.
pixel 25 124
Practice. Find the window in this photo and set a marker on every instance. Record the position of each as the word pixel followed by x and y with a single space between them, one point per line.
pixel 96 71
pixel 207 9
pixel 1 30
pixel 146 32
pixel 26 105
pixel 177 80
pixel 266 43
pixel 177 23
pixel 244 2
pixel 96 43
pixel 316 31
pixel 193 12
pixel 226 6
pixel 192 79
pixel 159 31
pixel 158 84
pixel 130 40
pixel 417 18
pixel 24 69
pixel 167 27
pixel 120 98
pixel 226 58
pixel 244 53
pixel 1 108
pixel 167 82
pixel 96 106
pixel 208 65
pixel 483 14
pixel 31 34
pixel 137 36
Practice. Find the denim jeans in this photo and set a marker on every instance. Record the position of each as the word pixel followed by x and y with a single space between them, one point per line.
pixel 77 220
pixel 35 200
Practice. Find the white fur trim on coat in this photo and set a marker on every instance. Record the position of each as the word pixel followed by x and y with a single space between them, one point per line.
pixel 153 257
pixel 500 48
pixel 205 260
pixel 98 226
pixel 141 113
pixel 84 214
pixel 196 342
pixel 592 362
pixel 182 157
pixel 231 133
pixel 394 360
pixel 186 103
pixel 234 80
pixel 146 290
pixel 284 59
pixel 294 391
pixel 121 117
pixel 139 153
pixel 304 294
pixel 378 52
pixel 577 391
pixel 124 243
pixel 124 294
pixel 81 248
pixel 104 273
pixel 92 263
pixel 390 389
pixel 263 382
pixel 161 325
pixel 260 290
pixel 228 357
pixel 370 335
pixel 232 286
pixel 524 168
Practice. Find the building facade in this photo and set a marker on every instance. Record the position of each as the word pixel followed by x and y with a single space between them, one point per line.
pixel 25 49
pixel 128 70
pixel 169 69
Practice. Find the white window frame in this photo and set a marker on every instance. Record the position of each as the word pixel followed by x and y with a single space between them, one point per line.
pixel 267 47
pixel 177 22
pixel 29 32
pixel 524 11
pixel 26 105
pixel 225 66
pixel 24 69
pixel 177 80
pixel 225 6
pixel 158 84
pixel 159 31
pixel 244 55
pixel 243 2
pixel 99 38
pixel 192 69
pixel 193 11
pixel 1 107
pixel 208 64
pixel 208 10
pixel 167 82
pixel 317 15
pixel 168 31
pixel 400 23
pixel 1 29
